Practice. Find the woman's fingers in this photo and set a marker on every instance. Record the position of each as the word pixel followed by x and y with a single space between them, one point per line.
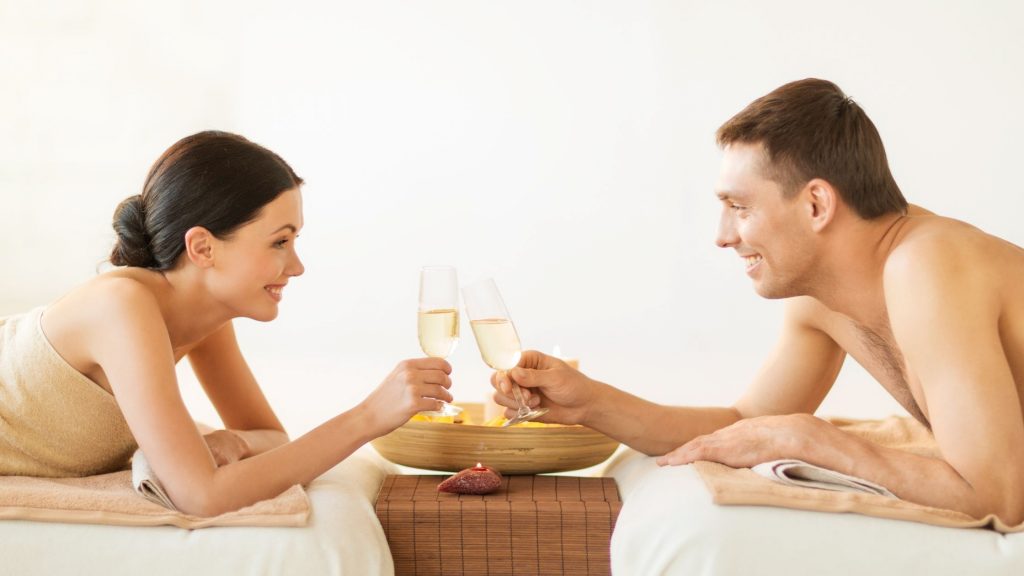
pixel 436 391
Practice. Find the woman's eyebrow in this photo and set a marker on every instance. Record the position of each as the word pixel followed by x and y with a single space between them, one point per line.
pixel 288 226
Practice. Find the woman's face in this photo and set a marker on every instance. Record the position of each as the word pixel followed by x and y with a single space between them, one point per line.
pixel 253 265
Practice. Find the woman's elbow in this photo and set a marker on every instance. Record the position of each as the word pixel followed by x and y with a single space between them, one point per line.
pixel 202 503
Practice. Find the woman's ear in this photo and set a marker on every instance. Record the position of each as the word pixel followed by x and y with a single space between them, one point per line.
pixel 199 244
pixel 822 202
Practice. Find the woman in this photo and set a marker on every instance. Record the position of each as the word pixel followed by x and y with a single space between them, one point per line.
pixel 211 238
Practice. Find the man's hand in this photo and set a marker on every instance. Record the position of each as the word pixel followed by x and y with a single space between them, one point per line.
pixel 752 441
pixel 548 382
pixel 226 446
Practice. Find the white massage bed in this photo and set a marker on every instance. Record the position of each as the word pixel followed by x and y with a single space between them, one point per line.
pixel 668 525
pixel 343 537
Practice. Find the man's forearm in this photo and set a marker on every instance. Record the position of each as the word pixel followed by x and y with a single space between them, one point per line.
pixel 652 428
pixel 920 479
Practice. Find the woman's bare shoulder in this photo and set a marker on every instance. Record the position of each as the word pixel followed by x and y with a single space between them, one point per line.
pixel 90 316
pixel 102 301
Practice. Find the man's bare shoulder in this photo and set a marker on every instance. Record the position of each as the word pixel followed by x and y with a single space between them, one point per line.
pixel 930 246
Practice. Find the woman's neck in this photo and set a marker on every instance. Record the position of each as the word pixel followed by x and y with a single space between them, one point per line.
pixel 189 310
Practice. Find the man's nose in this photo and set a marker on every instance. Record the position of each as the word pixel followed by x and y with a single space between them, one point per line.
pixel 727 236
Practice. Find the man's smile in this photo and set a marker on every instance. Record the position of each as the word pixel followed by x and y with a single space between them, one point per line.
pixel 752 261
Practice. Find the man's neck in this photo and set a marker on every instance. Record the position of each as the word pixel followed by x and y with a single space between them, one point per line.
pixel 850 273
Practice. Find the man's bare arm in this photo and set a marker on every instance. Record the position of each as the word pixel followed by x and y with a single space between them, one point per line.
pixel 945 318
pixel 796 377
pixel 945 308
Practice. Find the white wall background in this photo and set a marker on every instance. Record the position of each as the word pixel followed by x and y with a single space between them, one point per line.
pixel 565 147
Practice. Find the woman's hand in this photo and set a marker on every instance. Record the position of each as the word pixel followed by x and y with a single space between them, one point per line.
pixel 548 382
pixel 413 386
pixel 226 446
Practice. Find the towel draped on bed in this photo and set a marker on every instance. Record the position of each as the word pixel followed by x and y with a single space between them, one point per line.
pixel 741 486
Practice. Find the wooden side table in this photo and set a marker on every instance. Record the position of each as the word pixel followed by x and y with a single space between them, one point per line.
pixel 531 525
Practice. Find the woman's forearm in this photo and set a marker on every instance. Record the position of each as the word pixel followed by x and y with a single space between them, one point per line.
pixel 267 474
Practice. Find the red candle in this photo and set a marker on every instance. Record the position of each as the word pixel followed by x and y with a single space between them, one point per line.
pixel 476 480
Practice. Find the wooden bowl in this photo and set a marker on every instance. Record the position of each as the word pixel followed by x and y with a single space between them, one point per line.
pixel 451 447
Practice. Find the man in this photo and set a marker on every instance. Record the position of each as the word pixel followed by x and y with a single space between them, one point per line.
pixel 932 307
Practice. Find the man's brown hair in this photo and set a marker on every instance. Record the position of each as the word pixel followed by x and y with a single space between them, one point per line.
pixel 811 129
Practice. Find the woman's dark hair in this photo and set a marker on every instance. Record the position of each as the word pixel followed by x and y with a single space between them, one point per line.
pixel 216 180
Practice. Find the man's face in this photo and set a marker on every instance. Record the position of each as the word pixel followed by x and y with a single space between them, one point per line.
pixel 764 228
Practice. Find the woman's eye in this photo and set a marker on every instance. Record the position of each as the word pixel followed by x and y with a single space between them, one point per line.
pixel 280 243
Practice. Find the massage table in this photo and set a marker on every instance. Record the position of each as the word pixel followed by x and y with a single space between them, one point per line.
pixel 343 537
pixel 669 525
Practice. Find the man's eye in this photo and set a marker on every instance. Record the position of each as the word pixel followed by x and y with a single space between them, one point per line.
pixel 737 207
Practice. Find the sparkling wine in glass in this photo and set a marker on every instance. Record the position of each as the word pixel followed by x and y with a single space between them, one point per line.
pixel 438 319
pixel 496 337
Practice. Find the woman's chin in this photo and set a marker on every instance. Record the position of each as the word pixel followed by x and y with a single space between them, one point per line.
pixel 264 315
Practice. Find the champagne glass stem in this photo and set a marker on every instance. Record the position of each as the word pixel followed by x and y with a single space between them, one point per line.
pixel 523 408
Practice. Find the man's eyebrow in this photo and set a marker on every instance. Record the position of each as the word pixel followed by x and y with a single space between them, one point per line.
pixel 724 195
pixel 288 226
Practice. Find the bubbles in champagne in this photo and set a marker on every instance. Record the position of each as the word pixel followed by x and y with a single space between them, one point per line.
pixel 438 331
pixel 498 342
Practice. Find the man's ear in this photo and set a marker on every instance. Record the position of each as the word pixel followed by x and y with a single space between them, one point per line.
pixel 822 201
pixel 199 244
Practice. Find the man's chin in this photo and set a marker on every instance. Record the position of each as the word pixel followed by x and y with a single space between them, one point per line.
pixel 770 292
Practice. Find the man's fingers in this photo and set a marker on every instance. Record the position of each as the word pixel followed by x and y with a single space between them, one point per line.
pixel 506 401
pixel 690 452
pixel 534 359
pixel 501 382
pixel 524 377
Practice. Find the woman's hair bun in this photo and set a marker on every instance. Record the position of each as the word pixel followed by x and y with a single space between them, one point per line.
pixel 132 245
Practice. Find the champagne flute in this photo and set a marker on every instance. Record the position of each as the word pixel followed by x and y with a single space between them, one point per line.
pixel 496 337
pixel 438 320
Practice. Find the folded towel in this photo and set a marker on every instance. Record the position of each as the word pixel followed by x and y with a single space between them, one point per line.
pixel 800 473
pixel 114 498
pixel 145 482
pixel 732 486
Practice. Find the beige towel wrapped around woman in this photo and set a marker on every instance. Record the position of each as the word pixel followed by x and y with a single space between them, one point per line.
pixel 54 421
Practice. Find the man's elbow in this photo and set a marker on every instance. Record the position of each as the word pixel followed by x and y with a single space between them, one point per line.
pixel 1011 515
pixel 1005 504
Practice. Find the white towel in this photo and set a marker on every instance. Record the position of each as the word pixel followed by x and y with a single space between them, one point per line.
pixel 800 473
pixel 146 483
